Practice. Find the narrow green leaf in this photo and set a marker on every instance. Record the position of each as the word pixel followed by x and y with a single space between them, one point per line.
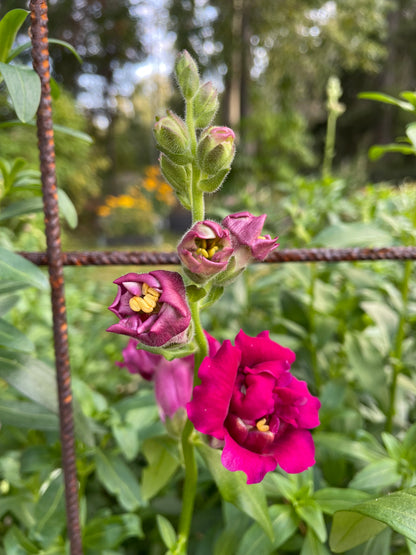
pixel 376 476
pixel 12 338
pixel 23 85
pixel 312 545
pixel 250 499
pixel 67 209
pixel 50 512
pixel 109 532
pixel 377 151
pixel 16 51
pixel 353 527
pixel 9 26
pixel 29 416
pixel 387 99
pixel 336 499
pixel 166 531
pixel 21 207
pixel 312 515
pixel 356 234
pixel 284 522
pixel 7 303
pixel 411 133
pixel 163 462
pixel 118 479
pixel 73 133
pixel 16 543
pixel 15 268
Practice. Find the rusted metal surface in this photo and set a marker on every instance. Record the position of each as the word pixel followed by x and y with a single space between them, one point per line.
pixel 40 55
pixel 122 258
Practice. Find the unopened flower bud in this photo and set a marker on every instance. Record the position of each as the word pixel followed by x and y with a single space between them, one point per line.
pixel 216 149
pixel 179 177
pixel 187 74
pixel 205 104
pixel 172 138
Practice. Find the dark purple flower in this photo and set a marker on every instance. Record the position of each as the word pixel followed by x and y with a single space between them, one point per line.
pixel 246 237
pixel 249 400
pixel 152 308
pixel 205 249
pixel 173 379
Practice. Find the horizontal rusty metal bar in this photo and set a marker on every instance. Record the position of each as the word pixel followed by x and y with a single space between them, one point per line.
pixel 136 258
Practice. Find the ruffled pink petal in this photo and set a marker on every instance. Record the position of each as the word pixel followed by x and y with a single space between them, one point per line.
pixel 294 450
pixel 308 405
pixel 258 350
pixel 173 385
pixel 211 399
pixel 234 457
pixel 256 400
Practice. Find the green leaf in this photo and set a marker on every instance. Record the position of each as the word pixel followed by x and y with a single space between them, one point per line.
pixel 377 151
pixel 21 207
pixel 23 85
pixel 376 476
pixel 352 450
pixel 75 133
pixel 312 515
pixel 284 523
pixel 166 531
pixel 16 51
pixel 387 99
pixel 16 543
pixel 9 26
pixel 7 303
pixel 29 416
pixel 109 532
pixel 50 511
pixel 15 268
pixel 355 234
pixel 312 545
pixel 233 488
pixel 236 524
pixel 12 338
pixel 67 209
pixel 195 293
pixel 118 479
pixel 160 453
pixel 353 527
pixel 336 499
pixel 411 133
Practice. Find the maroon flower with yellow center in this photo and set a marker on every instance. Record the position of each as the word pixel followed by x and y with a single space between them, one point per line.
pixel 205 249
pixel 152 308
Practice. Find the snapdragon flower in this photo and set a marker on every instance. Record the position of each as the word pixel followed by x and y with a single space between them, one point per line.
pixel 152 308
pixel 249 400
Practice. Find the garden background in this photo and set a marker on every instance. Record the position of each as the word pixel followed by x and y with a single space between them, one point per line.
pixel 291 75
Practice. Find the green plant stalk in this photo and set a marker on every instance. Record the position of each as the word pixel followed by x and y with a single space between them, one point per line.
pixel 197 196
pixel 398 346
pixel 329 151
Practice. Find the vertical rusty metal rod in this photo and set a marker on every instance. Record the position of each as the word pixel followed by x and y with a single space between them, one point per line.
pixel 40 54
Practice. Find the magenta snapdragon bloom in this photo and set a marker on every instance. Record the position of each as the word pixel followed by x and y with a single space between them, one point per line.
pixel 246 237
pixel 205 249
pixel 249 400
pixel 173 379
pixel 152 308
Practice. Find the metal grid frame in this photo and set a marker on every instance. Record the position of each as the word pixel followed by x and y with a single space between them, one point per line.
pixel 55 259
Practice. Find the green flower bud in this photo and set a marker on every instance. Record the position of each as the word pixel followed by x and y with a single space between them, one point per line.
pixel 179 177
pixel 205 104
pixel 172 138
pixel 187 75
pixel 213 183
pixel 216 150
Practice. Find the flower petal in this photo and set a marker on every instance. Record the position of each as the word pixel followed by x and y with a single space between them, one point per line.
pixel 234 457
pixel 211 399
pixel 257 350
pixel 294 450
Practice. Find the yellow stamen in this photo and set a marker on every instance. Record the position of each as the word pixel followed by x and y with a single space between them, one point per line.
pixel 134 304
pixel 145 288
pixel 202 251
pixel 204 243
pixel 262 426
pixel 146 307
pixel 152 292
pixel 212 251
pixel 150 300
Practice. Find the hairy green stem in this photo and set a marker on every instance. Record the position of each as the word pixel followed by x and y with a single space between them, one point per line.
pixel 329 144
pixel 197 196
pixel 396 354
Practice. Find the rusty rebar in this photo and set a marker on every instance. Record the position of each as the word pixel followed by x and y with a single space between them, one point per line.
pixel 40 55
pixel 136 258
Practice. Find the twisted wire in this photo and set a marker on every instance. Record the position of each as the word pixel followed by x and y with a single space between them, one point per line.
pixel 40 56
